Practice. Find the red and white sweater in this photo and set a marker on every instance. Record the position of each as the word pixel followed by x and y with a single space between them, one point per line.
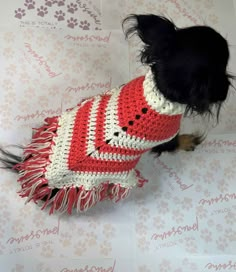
pixel 90 152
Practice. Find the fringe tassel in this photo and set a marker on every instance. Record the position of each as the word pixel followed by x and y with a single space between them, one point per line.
pixel 35 186
pixel 141 180
pixel 35 160
pixel 68 198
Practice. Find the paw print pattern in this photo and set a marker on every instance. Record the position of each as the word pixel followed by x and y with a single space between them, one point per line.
pixel 60 15
pixel 201 212
pixel 187 203
pixel 191 246
pixel 42 11
pixel 60 3
pixel 30 4
pixel 158 222
pixel 108 230
pixel 165 266
pixel 163 207
pixel 72 8
pixel 206 235
pixel 105 248
pixel 80 248
pixel 65 239
pixel 43 101
pixel 230 218
pixel 230 234
pixel 49 3
pixel 222 185
pixel 47 251
pixel 221 244
pixel 7 84
pixel 84 25
pixel 72 22
pixel 18 226
pixel 140 228
pixel 143 244
pixel 91 239
pixel 19 13
pixel 178 216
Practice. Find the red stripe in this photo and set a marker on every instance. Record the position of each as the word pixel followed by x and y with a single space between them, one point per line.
pixel 100 122
pixel 151 125
pixel 101 166
pixel 80 134
pixel 100 140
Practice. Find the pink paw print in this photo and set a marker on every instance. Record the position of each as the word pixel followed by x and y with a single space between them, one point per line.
pixel 80 248
pixel 30 4
pixel 158 222
pixel 178 216
pixel 201 212
pixel 60 3
pixel 221 244
pixel 163 207
pixel 191 246
pixel 84 25
pixel 105 248
pixel 72 22
pixel 72 8
pixel 165 266
pixel 19 13
pixel 60 15
pixel 49 3
pixel 42 11
pixel 206 235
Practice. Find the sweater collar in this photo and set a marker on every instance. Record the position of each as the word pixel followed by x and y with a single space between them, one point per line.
pixel 156 99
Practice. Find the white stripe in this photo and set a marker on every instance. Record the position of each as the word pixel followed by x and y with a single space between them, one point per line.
pixel 91 148
pixel 60 151
pixel 157 101
pixel 59 175
pixel 92 126
pixel 126 179
pixel 113 156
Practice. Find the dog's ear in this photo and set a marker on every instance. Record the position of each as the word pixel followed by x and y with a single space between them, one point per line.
pixel 150 28
pixel 208 89
pixel 155 31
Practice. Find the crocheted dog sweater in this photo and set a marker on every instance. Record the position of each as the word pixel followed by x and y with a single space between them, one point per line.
pixel 89 153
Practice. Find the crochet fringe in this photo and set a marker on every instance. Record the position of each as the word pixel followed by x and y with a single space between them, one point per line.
pixel 35 186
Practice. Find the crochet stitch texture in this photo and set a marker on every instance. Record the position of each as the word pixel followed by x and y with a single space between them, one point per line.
pixel 89 153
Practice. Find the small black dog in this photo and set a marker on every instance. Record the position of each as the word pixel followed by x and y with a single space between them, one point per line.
pixel 189 67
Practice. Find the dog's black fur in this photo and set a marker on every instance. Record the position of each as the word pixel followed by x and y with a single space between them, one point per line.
pixel 189 67
pixel 189 64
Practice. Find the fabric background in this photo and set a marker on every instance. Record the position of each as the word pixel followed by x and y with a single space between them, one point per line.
pixel 53 54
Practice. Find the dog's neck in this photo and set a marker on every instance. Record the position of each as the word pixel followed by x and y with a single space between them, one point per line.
pixel 156 99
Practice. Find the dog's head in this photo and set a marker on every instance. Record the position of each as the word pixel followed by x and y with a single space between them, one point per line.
pixel 189 64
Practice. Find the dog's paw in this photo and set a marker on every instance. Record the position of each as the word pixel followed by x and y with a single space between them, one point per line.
pixel 188 142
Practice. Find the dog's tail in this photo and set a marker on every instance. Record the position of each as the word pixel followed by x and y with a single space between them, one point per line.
pixel 9 160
